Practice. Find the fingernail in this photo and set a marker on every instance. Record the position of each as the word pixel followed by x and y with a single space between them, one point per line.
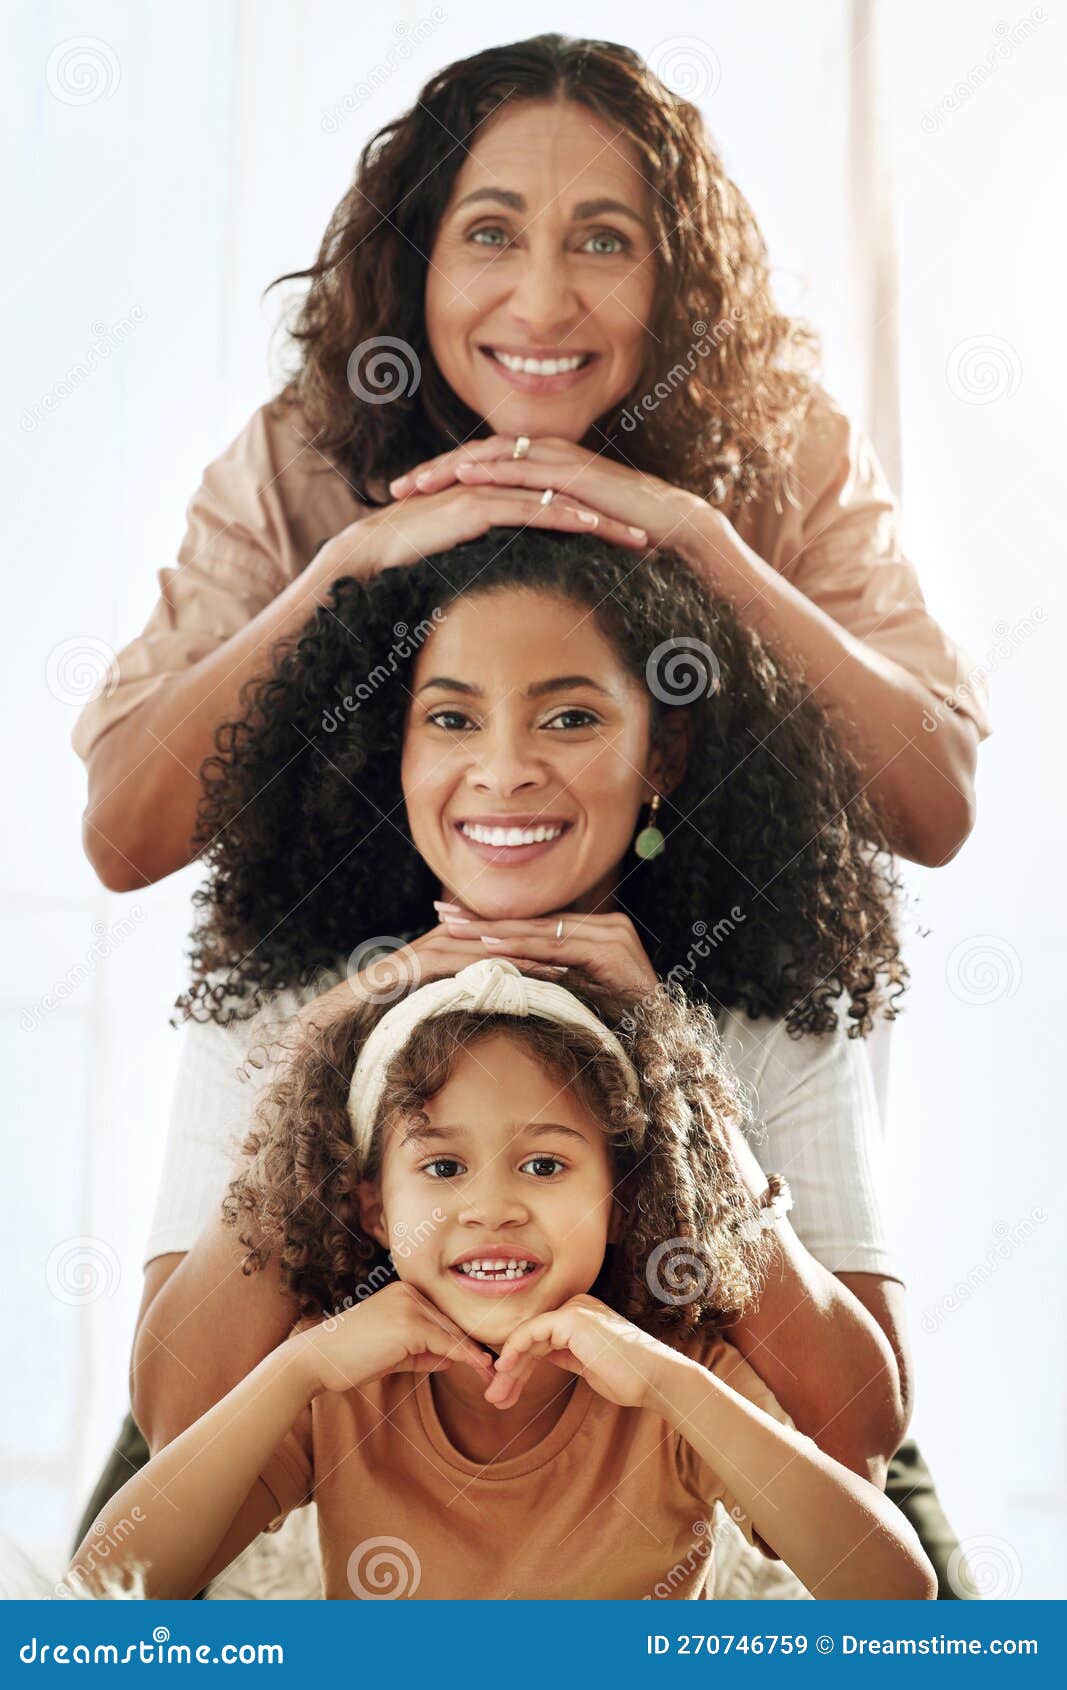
pixel 438 904
pixel 488 941
pixel 399 484
pixel 639 533
pixel 456 920
pixel 427 475
pixel 588 516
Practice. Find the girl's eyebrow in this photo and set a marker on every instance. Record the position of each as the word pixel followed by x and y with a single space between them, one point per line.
pixel 536 689
pixel 535 1129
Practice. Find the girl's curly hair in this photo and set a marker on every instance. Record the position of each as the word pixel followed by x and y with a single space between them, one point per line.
pixel 741 373
pixel 687 1254
pixel 769 894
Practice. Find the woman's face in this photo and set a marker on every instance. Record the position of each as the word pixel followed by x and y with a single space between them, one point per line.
pixel 511 1161
pixel 529 260
pixel 522 716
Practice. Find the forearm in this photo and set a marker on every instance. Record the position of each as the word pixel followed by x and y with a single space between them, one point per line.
pixel 826 1359
pixel 208 1326
pixel 144 774
pixel 922 783
pixel 183 1502
pixel 839 1534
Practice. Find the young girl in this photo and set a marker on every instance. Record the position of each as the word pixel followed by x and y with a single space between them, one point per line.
pixel 514 1236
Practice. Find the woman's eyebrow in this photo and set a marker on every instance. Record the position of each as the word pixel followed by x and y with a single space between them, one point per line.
pixel 536 689
pixel 587 208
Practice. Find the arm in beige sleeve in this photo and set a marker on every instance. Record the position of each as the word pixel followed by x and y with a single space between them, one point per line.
pixel 268 530
pixel 839 598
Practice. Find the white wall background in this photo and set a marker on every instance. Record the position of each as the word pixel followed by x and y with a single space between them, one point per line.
pixel 162 167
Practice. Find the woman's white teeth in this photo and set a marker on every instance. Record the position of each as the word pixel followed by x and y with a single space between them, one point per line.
pixel 509 835
pixel 496 1269
pixel 541 366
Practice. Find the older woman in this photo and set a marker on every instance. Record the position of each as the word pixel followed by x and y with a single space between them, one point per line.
pixel 531 683
pixel 544 269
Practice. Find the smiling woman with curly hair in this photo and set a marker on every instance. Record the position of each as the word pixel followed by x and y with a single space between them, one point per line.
pixel 324 821
pixel 542 266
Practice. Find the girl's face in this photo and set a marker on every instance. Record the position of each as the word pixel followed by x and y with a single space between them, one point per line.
pixel 523 718
pixel 545 249
pixel 512 1161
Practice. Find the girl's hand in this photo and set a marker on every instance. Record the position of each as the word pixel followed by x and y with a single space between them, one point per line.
pixel 621 1363
pixel 386 978
pixel 621 495
pixel 411 530
pixel 607 945
pixel 398 1330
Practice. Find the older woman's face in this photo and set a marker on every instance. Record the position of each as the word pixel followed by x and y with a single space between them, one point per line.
pixel 544 251
pixel 522 717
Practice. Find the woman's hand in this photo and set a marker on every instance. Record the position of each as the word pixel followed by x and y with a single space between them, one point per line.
pixel 620 1362
pixel 413 529
pixel 621 495
pixel 398 1330
pixel 387 978
pixel 606 945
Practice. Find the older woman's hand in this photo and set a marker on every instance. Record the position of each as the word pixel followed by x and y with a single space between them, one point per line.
pixel 668 515
pixel 606 945
pixel 389 976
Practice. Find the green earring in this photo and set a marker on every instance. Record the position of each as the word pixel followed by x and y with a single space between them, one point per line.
pixel 650 841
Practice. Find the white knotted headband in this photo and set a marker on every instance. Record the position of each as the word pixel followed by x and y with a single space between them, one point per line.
pixel 492 987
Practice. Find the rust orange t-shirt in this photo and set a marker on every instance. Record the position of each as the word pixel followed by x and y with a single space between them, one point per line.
pixel 611 1504
pixel 268 502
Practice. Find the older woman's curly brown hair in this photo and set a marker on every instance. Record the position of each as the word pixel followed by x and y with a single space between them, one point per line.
pixel 740 372
pixel 687 1255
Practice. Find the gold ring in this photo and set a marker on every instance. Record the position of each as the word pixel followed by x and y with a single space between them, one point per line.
pixel 548 495
pixel 522 446
pixel 559 928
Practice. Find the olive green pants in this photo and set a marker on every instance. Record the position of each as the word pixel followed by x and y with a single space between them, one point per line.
pixel 909 1485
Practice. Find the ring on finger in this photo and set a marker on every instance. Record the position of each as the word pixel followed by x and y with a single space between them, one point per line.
pixel 559 928
pixel 522 446
pixel 548 495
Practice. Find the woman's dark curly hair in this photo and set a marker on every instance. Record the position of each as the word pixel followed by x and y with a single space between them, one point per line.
pixel 736 404
pixel 686 1256
pixel 767 896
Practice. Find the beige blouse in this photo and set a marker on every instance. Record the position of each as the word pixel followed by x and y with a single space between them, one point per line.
pixel 267 503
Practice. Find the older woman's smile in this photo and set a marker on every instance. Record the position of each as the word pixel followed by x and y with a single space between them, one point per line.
pixel 541 374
